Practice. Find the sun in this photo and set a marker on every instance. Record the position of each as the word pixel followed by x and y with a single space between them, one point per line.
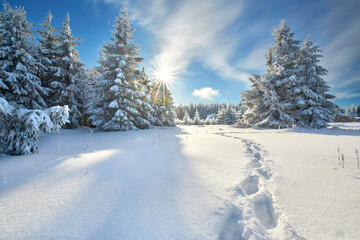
pixel 163 71
pixel 164 75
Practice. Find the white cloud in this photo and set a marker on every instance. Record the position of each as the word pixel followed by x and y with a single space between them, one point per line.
pixel 206 93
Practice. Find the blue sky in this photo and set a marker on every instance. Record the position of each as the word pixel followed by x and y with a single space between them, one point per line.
pixel 214 45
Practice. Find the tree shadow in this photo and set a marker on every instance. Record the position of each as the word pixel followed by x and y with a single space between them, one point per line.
pixel 333 131
pixel 140 168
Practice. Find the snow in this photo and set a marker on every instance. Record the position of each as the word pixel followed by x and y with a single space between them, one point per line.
pixel 187 182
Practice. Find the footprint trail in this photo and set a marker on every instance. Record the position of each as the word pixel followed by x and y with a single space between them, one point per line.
pixel 254 216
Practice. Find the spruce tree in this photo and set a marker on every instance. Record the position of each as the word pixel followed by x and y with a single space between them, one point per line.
pixel 280 79
pixel 352 111
pixel 187 120
pixel 20 66
pixel 49 54
pixel 89 93
pixel 229 115
pixel 253 101
pixel 274 115
pixel 118 99
pixel 147 108
pixel 196 119
pixel 312 107
pixel 240 113
pixel 180 112
pixel 220 119
pixel 347 111
pixel 164 106
pixel 70 74
pixel 292 91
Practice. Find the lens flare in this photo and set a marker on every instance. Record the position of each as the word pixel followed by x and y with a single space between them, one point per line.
pixel 164 75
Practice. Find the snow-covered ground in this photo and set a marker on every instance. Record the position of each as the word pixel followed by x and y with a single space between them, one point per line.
pixel 186 182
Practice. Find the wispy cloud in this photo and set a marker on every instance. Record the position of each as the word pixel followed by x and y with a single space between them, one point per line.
pixel 342 49
pixel 255 60
pixel 188 31
pixel 199 31
pixel 230 37
pixel 348 94
pixel 206 93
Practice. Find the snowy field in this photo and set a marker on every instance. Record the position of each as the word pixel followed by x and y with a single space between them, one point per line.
pixel 186 182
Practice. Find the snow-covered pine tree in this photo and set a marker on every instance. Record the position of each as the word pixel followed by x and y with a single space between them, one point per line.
pixel 253 101
pixel 49 55
pixel 347 111
pixel 164 106
pixel 19 61
pixel 220 119
pixel 118 98
pixel 69 75
pixel 180 112
pixel 358 110
pixel 147 108
pixel 274 115
pixel 351 111
pixel 196 119
pixel 279 82
pixel 6 114
pixel 312 107
pixel 229 115
pixel 187 120
pixel 240 113
pixel 92 76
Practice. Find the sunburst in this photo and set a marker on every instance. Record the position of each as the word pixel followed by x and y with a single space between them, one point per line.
pixel 164 75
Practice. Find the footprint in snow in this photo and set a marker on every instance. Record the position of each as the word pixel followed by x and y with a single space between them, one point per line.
pixel 264 211
pixel 250 185
pixel 232 227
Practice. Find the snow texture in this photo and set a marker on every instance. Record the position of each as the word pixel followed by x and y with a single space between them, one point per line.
pixel 189 182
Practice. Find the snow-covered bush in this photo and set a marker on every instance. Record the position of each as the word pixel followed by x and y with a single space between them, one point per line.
pixel 178 121
pixel 21 129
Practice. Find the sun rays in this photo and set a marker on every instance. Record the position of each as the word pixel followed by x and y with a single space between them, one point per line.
pixel 164 76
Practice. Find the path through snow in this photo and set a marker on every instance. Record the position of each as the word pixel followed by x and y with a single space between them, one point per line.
pixel 253 216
